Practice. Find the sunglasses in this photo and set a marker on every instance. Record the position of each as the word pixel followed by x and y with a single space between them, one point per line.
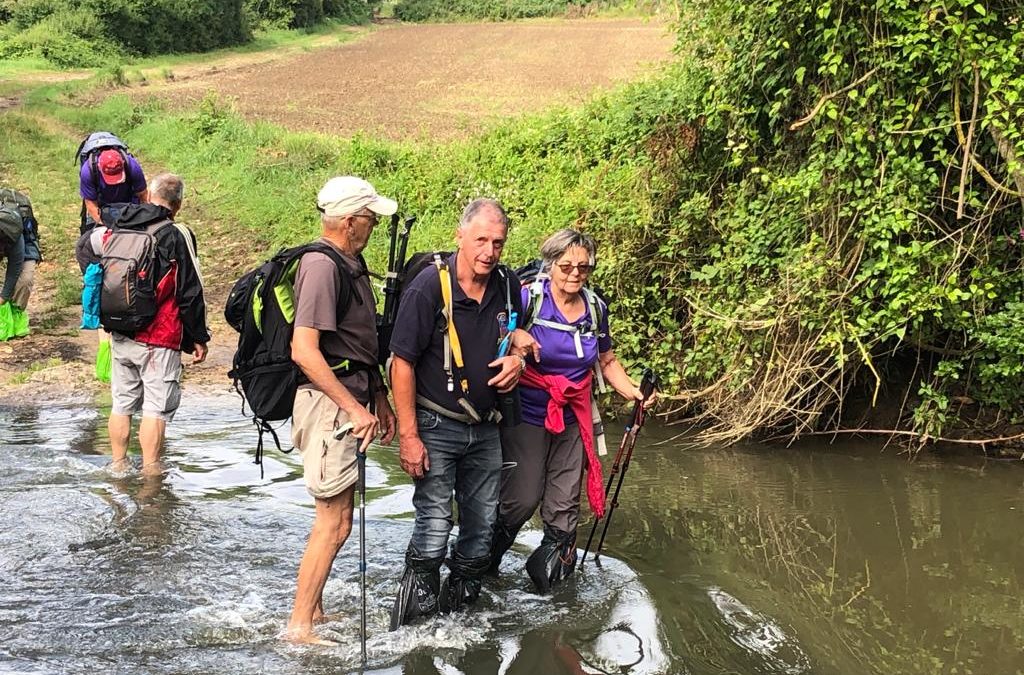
pixel 582 268
pixel 372 217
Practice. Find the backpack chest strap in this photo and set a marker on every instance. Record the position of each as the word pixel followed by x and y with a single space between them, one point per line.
pixel 577 334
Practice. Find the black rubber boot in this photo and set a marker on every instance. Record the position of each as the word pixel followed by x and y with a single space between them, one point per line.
pixel 419 589
pixel 501 542
pixel 462 587
pixel 554 560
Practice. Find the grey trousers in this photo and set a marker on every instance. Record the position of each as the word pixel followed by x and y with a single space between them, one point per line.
pixel 548 471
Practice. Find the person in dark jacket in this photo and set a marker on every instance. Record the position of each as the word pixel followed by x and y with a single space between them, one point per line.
pixel 146 365
pixel 20 279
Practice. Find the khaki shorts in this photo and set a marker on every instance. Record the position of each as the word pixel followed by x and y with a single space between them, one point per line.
pixel 329 466
pixel 26 280
pixel 144 377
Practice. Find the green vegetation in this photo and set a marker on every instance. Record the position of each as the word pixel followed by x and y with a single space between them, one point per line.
pixel 95 33
pixel 504 10
pixel 815 204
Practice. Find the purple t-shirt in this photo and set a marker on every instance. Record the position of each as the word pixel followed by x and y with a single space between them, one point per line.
pixel 558 353
pixel 134 183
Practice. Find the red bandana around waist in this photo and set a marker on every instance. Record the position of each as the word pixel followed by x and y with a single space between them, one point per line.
pixel 576 395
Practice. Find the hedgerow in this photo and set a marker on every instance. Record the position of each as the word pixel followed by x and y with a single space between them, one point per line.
pixel 89 33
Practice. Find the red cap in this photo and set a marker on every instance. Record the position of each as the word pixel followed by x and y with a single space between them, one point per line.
pixel 111 165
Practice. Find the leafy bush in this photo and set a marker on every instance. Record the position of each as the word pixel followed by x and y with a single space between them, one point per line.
pixel 495 10
pixel 75 33
pixel 305 13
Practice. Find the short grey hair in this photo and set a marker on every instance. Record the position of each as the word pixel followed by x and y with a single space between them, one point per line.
pixel 168 188
pixel 555 246
pixel 479 205
pixel 331 222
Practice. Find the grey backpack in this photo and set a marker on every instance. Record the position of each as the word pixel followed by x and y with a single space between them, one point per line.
pixel 128 296
pixel 10 223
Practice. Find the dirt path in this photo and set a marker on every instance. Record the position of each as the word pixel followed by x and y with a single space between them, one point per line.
pixel 439 81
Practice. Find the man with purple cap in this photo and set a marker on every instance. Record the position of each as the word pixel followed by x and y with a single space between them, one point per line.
pixel 351 394
pixel 116 178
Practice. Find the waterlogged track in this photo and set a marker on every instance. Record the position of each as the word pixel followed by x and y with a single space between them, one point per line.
pixel 824 562
pixel 193 573
pixel 439 81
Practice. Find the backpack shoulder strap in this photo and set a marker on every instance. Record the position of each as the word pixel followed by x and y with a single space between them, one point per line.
pixel 452 344
pixel 345 291
pixel 533 302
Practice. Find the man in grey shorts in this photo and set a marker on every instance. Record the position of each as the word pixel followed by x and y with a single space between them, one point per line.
pixel 336 348
pixel 146 365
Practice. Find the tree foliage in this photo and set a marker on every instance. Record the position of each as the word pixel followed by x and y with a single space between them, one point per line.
pixel 84 33
pixel 838 206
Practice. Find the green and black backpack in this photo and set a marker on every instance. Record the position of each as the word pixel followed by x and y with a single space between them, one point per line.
pixel 261 307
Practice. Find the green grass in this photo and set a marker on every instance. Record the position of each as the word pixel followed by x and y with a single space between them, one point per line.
pixel 33 368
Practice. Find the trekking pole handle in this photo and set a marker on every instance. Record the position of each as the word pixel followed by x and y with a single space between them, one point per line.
pixel 648 383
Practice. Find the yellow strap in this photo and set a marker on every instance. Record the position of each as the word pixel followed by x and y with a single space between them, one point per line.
pixel 453 335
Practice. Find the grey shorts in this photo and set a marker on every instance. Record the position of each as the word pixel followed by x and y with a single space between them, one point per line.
pixel 329 466
pixel 144 377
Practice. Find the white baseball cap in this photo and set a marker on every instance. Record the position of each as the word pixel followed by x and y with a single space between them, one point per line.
pixel 345 195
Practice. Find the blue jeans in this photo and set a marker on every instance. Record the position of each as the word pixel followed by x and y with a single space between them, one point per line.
pixel 464 459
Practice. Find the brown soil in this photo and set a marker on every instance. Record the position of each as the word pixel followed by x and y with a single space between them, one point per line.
pixel 437 81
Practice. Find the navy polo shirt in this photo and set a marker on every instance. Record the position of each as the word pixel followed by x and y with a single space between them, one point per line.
pixel 420 327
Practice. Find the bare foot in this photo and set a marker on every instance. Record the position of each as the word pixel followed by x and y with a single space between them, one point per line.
pixel 120 466
pixel 327 618
pixel 305 636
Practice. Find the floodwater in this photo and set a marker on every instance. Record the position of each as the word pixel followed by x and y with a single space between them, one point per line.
pixel 824 559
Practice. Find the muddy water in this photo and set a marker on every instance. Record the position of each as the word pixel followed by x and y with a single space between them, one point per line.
pixel 824 560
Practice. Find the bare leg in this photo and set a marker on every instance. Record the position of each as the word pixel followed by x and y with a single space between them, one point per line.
pixel 151 438
pixel 330 530
pixel 120 428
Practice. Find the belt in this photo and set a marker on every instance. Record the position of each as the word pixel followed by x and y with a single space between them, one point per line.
pixel 491 415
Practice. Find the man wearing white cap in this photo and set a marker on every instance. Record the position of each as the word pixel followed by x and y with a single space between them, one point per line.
pixel 352 392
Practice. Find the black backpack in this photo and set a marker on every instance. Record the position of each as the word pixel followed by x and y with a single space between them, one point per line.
pixel 89 151
pixel 261 308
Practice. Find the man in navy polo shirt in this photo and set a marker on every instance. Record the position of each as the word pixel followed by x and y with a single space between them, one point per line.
pixel 448 434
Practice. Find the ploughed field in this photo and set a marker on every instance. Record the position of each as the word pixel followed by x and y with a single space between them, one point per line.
pixel 437 81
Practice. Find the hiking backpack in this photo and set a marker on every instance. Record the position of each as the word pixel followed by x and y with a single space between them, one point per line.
pixel 11 226
pixel 30 228
pixel 128 295
pixel 261 307
pixel 89 151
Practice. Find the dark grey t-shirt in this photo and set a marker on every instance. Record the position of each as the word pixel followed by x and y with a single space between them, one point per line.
pixel 419 331
pixel 353 336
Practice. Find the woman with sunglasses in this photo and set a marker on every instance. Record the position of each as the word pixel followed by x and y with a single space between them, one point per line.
pixel 545 456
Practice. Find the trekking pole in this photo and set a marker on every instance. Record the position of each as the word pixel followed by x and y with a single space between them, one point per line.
pixel 647 385
pixel 339 434
pixel 361 460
